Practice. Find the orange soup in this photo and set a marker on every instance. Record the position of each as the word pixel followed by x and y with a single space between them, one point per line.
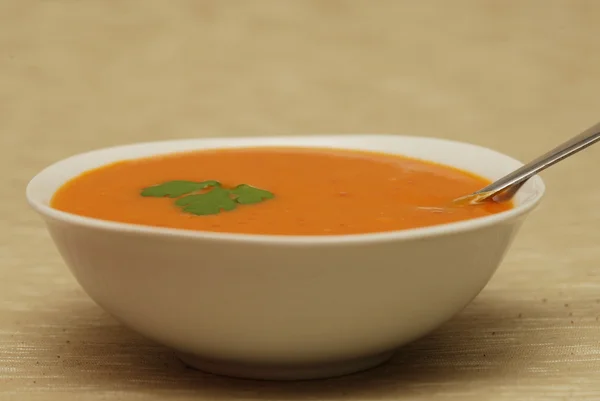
pixel 282 191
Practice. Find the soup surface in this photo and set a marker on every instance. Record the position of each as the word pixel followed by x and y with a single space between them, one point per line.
pixel 284 191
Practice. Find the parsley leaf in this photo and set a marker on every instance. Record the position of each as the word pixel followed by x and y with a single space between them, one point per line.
pixel 246 194
pixel 208 203
pixel 212 201
pixel 175 189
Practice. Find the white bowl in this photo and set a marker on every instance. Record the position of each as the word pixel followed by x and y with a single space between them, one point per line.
pixel 284 307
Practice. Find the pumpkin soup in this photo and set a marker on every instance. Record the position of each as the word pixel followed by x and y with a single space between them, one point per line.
pixel 280 191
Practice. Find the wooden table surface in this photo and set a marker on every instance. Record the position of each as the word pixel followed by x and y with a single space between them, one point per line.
pixel 516 75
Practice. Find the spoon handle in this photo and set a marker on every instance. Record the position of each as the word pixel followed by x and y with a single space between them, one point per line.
pixel 568 148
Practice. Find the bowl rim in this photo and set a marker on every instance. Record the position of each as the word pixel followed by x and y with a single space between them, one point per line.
pixel 477 223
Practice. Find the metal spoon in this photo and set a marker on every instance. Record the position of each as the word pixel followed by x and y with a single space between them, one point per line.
pixel 506 187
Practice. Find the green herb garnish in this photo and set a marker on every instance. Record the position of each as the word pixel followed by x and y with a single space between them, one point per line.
pixel 207 197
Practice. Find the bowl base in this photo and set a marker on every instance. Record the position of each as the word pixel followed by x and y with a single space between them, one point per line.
pixel 283 372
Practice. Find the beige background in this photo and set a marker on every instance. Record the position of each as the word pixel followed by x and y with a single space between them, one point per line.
pixel 518 76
